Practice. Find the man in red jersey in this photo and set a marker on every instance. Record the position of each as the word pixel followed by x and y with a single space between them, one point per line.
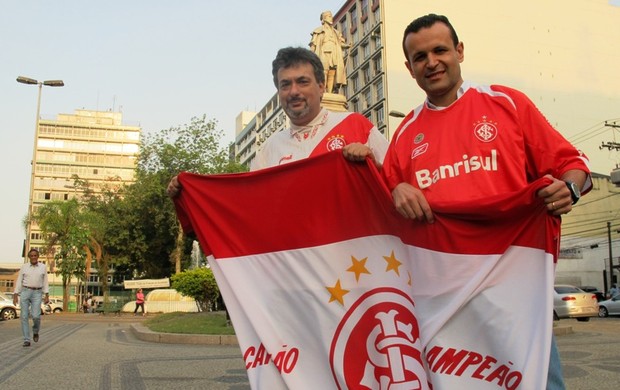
pixel 471 142
pixel 299 76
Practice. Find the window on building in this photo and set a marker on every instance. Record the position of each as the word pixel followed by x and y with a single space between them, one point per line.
pixel 7 284
pixel 377 64
pixel 354 60
pixel 356 83
pixel 379 114
pixel 353 17
pixel 365 19
pixel 376 38
pixel 356 106
pixel 48 196
pixel 379 89
pixel 367 98
pixel 344 28
pixel 366 73
pixel 366 26
pixel 376 11
pixel 366 48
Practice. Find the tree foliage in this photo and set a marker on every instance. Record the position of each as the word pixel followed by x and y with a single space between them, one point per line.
pixel 64 227
pixel 193 147
pixel 199 284
pixel 104 213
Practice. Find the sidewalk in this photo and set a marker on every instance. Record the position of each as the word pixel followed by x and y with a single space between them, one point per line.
pixel 145 334
pixel 561 330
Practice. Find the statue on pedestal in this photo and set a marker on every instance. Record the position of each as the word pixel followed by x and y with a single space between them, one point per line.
pixel 328 43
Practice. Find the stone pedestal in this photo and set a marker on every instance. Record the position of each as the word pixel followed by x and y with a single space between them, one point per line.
pixel 334 102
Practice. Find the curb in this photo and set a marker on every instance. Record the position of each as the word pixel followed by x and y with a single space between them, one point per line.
pixel 145 334
pixel 562 330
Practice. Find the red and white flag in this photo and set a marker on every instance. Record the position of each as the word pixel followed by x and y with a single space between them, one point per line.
pixel 329 288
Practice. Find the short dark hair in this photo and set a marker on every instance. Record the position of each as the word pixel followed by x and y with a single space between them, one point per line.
pixel 34 250
pixel 428 21
pixel 290 56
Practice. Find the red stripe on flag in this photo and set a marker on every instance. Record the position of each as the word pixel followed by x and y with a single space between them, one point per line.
pixel 282 208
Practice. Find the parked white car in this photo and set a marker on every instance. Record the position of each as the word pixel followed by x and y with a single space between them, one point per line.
pixel 571 302
pixel 51 307
pixel 54 306
pixel 610 307
pixel 8 311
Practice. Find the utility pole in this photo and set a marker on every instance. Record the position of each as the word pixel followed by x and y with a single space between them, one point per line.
pixel 611 261
pixel 610 145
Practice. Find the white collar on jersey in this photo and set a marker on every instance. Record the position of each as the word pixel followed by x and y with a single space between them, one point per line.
pixel 311 128
pixel 464 87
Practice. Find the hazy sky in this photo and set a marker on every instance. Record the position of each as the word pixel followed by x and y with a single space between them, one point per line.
pixel 159 62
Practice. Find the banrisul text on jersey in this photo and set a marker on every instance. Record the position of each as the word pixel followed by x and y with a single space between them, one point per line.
pixel 427 177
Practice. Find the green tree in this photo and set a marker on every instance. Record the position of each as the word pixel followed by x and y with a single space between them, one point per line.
pixel 64 230
pixel 193 147
pixel 151 228
pixel 199 284
pixel 104 214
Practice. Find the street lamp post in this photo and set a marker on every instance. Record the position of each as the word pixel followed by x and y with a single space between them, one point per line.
pixel 394 114
pixel 49 83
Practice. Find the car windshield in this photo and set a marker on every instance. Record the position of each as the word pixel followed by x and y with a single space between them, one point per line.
pixel 567 290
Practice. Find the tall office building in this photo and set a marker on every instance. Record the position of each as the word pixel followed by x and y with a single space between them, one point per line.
pixel 90 145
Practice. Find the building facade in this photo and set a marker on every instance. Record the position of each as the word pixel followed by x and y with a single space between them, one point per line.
pixel 8 276
pixel 92 146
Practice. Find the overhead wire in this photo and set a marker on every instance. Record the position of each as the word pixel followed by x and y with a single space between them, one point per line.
pixel 595 130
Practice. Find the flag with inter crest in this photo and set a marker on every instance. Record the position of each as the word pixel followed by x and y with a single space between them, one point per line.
pixel 328 287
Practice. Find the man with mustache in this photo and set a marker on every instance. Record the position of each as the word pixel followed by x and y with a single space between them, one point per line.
pixel 299 76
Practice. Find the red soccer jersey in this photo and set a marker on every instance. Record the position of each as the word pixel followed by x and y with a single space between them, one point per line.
pixel 492 140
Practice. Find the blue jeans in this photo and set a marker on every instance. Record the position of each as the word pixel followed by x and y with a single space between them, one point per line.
pixel 30 305
pixel 555 380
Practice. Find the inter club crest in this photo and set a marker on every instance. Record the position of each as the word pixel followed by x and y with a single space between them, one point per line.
pixel 485 130
pixel 336 142
pixel 377 344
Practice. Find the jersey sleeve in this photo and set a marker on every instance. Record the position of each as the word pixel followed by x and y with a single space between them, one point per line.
pixel 547 151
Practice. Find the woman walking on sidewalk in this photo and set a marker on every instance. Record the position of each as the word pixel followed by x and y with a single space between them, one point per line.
pixel 139 302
